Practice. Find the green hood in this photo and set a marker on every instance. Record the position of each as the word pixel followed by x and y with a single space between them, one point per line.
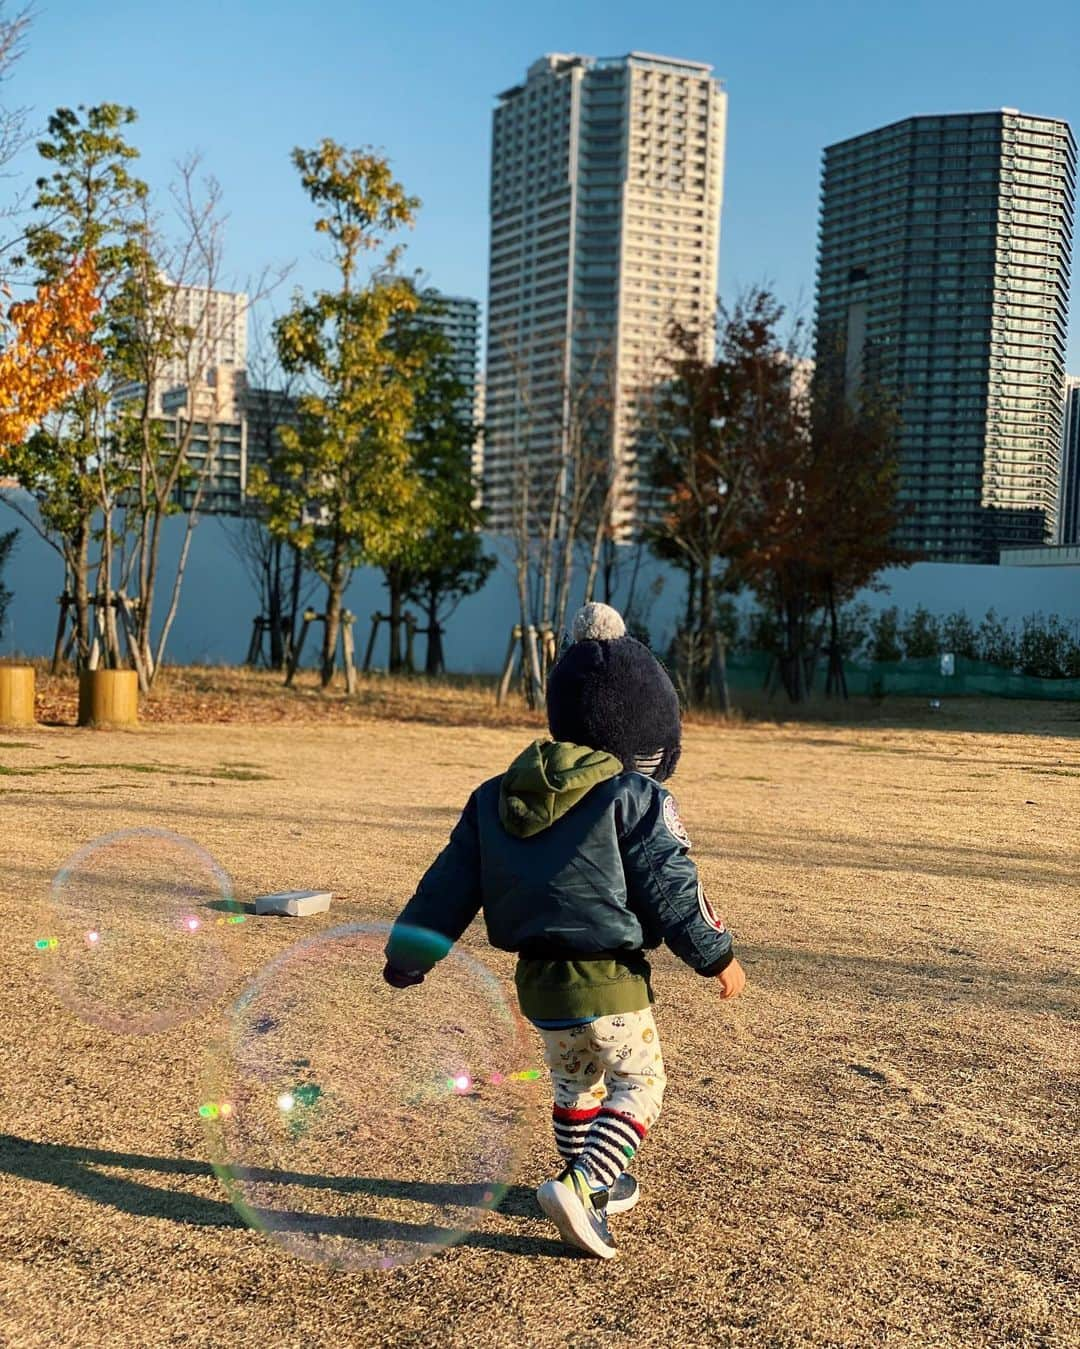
pixel 547 780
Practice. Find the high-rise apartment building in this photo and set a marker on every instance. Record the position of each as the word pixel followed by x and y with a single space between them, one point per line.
pixel 458 319
pixel 1069 518
pixel 943 277
pixel 216 321
pixel 228 426
pixel 606 184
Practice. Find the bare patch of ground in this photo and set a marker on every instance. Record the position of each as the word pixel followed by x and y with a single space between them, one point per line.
pixel 876 1145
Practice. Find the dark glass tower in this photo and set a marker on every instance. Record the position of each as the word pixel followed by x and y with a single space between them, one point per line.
pixel 943 277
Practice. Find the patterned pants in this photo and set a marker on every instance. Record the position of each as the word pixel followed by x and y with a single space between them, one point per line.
pixel 609 1085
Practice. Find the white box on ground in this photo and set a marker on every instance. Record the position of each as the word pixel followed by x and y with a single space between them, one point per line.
pixel 294 903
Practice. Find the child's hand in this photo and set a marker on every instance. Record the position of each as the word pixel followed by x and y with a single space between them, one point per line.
pixel 732 981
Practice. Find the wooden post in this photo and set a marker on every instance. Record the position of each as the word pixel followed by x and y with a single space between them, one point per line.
pixel 255 645
pixel 347 620
pixel 127 622
pixel 309 617
pixel 16 695
pixel 376 619
pixel 503 687
pixel 108 698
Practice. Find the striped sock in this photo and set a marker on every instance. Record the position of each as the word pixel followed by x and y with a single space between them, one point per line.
pixel 610 1146
pixel 571 1130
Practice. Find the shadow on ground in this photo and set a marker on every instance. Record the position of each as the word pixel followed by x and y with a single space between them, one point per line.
pixel 75 1169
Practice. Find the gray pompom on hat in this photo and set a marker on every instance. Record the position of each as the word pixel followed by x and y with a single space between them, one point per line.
pixel 608 691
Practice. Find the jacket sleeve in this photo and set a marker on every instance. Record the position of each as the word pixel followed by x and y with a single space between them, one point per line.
pixel 445 903
pixel 664 889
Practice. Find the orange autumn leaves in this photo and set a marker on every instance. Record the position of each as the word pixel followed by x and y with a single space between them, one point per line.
pixel 48 350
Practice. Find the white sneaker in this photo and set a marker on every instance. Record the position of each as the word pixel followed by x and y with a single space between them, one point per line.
pixel 579 1213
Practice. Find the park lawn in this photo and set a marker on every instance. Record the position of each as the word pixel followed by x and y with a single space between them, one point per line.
pixel 876 1145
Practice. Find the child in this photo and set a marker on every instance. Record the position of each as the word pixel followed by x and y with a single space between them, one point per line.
pixel 579 861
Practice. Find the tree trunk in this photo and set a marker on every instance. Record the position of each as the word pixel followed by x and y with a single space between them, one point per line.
pixel 691 595
pixel 705 645
pixel 609 569
pixel 80 568
pixel 294 595
pixel 835 679
pixel 794 671
pixel 335 592
pixel 393 585
pixel 434 663
pixel 274 606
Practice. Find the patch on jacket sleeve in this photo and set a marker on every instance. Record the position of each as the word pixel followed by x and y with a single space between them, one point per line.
pixel 708 912
pixel 673 823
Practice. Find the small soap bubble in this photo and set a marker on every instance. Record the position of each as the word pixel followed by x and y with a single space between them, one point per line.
pixel 368 1127
pixel 133 945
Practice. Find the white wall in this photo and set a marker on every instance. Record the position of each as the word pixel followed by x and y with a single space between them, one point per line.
pixel 213 625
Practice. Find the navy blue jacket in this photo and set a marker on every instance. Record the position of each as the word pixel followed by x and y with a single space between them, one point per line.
pixel 610 877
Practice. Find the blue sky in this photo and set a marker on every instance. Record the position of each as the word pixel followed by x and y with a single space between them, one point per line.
pixel 243 81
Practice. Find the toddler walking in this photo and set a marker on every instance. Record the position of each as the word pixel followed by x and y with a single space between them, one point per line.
pixel 579 860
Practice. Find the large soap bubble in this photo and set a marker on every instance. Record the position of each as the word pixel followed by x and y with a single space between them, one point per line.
pixel 362 1126
pixel 135 931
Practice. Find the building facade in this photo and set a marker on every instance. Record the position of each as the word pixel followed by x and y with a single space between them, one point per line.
pixel 943 277
pixel 458 319
pixel 606 188
pixel 1069 513
pixel 229 426
pixel 215 324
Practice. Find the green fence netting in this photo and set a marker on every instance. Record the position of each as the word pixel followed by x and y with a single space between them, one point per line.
pixel 914 678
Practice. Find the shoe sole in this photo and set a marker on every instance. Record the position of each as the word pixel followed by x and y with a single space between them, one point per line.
pixel 568 1215
pixel 617 1206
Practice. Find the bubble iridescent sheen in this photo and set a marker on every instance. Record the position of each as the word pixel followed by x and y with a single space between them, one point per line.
pixel 367 1127
pixel 139 931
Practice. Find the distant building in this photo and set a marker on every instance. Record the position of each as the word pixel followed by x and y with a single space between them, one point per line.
pixel 943 277
pixel 236 425
pixel 1069 526
pixel 606 186
pixel 217 320
pixel 458 319
pixel 1047 556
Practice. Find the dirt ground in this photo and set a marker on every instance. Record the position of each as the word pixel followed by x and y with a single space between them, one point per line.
pixel 876 1146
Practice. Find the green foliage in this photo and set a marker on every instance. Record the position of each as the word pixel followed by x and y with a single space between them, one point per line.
pixel 854 627
pixel 90 201
pixel 920 635
pixel 1048 648
pixel 342 486
pixel 885 641
pixel 7 545
pixel 86 202
pixel 762 631
pixel 997 642
pixel 959 635
pixel 727 619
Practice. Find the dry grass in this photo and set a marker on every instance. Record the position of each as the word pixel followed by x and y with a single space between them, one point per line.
pixel 875 1146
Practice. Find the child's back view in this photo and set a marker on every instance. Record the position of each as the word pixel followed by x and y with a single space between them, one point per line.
pixel 579 861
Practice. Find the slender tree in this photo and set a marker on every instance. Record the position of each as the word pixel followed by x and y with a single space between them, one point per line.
pixel 89 206
pixel 715 426
pixel 343 487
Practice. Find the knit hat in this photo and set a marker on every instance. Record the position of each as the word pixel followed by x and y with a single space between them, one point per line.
pixel 609 692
